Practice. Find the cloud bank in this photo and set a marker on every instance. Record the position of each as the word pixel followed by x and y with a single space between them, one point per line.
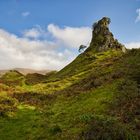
pixel 51 48
pixel 36 50
pixel 72 37
pixel 132 45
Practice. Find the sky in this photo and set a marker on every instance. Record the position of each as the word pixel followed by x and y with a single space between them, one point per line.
pixel 46 34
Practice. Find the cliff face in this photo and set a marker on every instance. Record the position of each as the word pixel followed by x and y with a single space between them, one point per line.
pixel 102 38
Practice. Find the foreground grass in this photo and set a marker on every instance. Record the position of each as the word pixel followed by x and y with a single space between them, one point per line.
pixel 66 117
pixel 24 124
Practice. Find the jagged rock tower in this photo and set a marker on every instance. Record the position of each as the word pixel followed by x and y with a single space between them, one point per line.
pixel 102 38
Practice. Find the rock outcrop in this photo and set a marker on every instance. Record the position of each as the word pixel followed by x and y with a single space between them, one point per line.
pixel 102 38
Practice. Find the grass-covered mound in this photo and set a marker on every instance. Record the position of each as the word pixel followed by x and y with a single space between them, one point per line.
pixel 12 78
pixel 34 78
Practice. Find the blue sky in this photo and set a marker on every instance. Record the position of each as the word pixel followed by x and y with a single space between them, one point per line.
pixel 71 13
pixel 56 23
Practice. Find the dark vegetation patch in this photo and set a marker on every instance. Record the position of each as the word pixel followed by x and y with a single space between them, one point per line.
pixel 35 78
pixel 104 128
pixel 33 98
pixel 7 105
pixel 126 104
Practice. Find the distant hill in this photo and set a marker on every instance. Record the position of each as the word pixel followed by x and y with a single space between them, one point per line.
pixel 16 77
pixel 25 71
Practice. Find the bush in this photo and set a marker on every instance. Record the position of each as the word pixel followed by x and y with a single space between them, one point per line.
pixel 7 105
pixel 126 103
pixel 106 128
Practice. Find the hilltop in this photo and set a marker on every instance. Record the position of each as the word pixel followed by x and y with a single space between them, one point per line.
pixel 97 96
pixel 102 42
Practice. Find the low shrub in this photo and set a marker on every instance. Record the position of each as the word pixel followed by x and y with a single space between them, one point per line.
pixel 55 129
pixel 106 128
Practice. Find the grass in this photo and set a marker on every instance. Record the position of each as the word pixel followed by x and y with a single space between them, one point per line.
pixel 93 96
pixel 25 124
pixel 67 112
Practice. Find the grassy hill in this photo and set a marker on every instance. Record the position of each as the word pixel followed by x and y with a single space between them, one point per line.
pixel 12 78
pixel 97 96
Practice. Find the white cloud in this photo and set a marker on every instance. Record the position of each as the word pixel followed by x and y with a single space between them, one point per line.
pixel 37 53
pixel 25 14
pixel 138 16
pixel 35 32
pixel 132 45
pixel 32 33
pixel 72 37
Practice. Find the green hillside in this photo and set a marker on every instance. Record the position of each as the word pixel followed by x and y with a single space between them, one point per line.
pixel 12 78
pixel 95 97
